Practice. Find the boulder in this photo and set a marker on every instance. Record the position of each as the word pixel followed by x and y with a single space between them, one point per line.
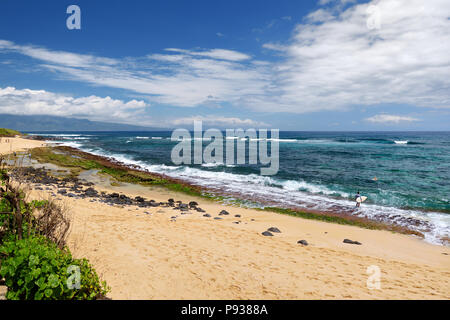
pixel 139 199
pixel 352 242
pixel 193 204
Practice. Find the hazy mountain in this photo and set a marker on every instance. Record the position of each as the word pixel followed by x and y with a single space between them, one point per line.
pixel 52 123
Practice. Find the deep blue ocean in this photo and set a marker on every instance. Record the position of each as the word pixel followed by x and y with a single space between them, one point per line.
pixel 405 175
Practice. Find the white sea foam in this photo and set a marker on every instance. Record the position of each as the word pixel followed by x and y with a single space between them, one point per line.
pixel 283 140
pixel 290 193
pixel 212 164
pixel 60 135
pixel 401 142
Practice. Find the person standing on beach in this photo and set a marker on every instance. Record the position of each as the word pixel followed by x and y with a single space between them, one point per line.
pixel 358 204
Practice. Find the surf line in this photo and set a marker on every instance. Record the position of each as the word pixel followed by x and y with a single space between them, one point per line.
pixel 258 147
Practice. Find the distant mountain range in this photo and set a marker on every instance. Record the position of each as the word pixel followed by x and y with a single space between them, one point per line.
pixel 52 123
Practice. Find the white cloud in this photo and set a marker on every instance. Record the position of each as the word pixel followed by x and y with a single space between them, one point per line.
pixel 320 15
pixel 41 102
pixel 58 57
pixel 332 62
pixel 340 62
pixel 219 121
pixel 222 54
pixel 180 78
pixel 390 119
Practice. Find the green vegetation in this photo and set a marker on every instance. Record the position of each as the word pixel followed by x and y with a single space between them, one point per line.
pixel 34 260
pixel 35 268
pixel 347 220
pixel 45 155
pixel 77 160
pixel 8 132
pixel 323 217
pixel 120 173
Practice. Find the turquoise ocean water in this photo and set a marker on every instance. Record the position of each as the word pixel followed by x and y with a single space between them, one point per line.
pixel 405 175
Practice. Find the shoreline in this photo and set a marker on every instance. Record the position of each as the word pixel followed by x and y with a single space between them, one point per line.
pixel 332 216
pixel 146 253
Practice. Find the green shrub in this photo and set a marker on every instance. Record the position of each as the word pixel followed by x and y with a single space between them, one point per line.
pixel 34 268
pixel 8 132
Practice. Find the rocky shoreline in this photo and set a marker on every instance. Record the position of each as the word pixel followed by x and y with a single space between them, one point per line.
pixel 156 230
pixel 397 225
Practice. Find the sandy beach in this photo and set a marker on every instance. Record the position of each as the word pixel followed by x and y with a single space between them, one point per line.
pixel 9 145
pixel 160 253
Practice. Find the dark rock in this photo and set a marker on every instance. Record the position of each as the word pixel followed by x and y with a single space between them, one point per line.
pixel 267 234
pixel 351 242
pixel 90 192
pixel 139 199
pixel 223 213
pixel 302 242
pixel 273 229
pixel 199 209
pixel 217 218
pixel 237 215
pixel 193 204
pixel 207 215
pixel 154 204
pixel 170 200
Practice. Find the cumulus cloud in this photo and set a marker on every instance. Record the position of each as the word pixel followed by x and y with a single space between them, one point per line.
pixel 390 119
pixel 39 102
pixel 179 77
pixel 341 62
pixel 333 61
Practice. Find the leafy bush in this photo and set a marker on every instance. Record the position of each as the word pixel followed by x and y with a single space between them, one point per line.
pixel 35 268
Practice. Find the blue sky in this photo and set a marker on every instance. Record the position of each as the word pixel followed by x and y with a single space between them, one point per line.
pixel 293 65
